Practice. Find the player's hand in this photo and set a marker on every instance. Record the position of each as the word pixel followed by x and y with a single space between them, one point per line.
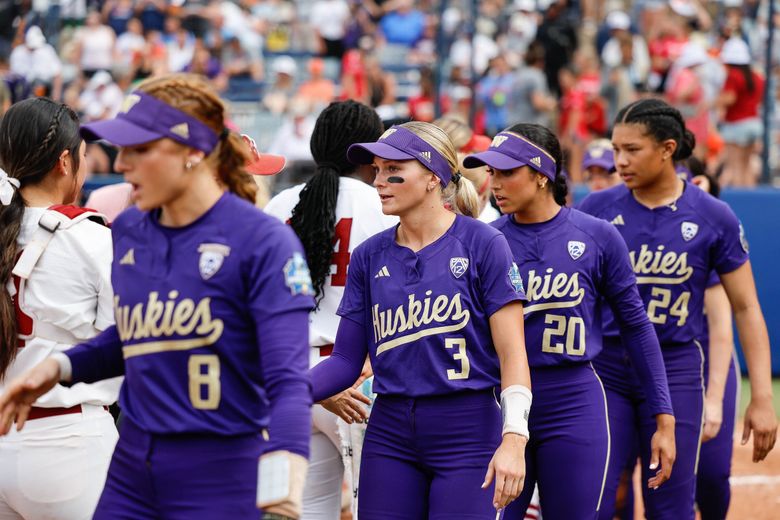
pixel 508 468
pixel 761 420
pixel 662 450
pixel 20 395
pixel 713 418
pixel 350 405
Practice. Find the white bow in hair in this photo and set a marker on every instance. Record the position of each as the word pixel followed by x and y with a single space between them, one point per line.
pixel 7 187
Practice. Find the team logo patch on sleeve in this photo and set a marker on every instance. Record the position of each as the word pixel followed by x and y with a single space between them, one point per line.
pixel 689 230
pixel 515 278
pixel 297 277
pixel 211 258
pixel 743 239
pixel 458 266
pixel 576 248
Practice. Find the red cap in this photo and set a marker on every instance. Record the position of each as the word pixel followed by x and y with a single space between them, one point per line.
pixel 477 143
pixel 262 163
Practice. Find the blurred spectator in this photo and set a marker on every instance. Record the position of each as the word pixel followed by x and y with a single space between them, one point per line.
pixel 95 45
pixel 614 55
pixel 237 62
pixel 598 166
pixel 279 94
pixel 101 98
pixel 380 84
pixel 354 84
pixel 329 19
pixel 318 89
pixel 151 13
pixel 9 10
pixel 522 27
pixel 292 139
pixel 493 93
pixel 180 45
pixel 130 45
pixel 403 25
pixel 684 90
pixel 117 14
pixel 741 127
pixel 422 106
pixel 5 98
pixel 664 49
pixel 205 64
pixel 559 37
pixel 621 83
pixel 37 62
pixel 530 100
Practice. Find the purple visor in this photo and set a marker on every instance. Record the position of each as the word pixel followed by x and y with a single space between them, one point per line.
pixel 144 118
pixel 509 151
pixel 601 157
pixel 400 144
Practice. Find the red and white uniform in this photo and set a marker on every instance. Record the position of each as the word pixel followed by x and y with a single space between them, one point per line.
pixel 55 468
pixel 358 217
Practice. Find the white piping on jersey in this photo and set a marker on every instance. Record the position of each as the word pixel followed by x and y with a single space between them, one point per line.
pixel 609 437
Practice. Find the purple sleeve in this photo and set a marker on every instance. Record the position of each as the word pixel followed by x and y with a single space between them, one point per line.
pixel 343 367
pixel 279 296
pixel 98 358
pixel 730 250
pixel 713 280
pixel 636 332
pixel 500 281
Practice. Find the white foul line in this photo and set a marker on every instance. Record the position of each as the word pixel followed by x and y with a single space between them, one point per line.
pixel 754 480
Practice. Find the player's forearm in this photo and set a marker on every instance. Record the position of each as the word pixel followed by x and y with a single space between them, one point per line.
pixel 755 345
pixel 97 359
pixel 721 344
pixel 506 329
pixel 343 367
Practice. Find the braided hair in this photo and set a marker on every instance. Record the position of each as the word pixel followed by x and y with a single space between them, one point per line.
pixel 33 135
pixel 313 219
pixel 545 139
pixel 662 121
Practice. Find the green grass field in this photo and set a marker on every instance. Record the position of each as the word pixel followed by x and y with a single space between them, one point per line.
pixel 745 395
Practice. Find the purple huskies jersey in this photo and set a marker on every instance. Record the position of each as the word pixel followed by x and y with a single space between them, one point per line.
pixel 567 264
pixel 190 305
pixel 426 313
pixel 673 251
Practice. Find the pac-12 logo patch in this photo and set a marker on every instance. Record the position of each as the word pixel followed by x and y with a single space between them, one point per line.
pixel 297 277
pixel 576 248
pixel 515 278
pixel 458 266
pixel 689 230
pixel 211 258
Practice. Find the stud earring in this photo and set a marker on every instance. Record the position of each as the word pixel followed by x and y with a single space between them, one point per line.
pixel 188 165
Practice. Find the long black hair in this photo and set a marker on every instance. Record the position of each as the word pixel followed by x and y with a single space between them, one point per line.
pixel 313 219
pixel 33 135
pixel 544 138
pixel 662 121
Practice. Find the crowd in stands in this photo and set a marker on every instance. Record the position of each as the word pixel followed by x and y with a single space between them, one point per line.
pixel 567 64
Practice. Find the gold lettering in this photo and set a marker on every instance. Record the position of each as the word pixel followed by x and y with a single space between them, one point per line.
pixel 648 265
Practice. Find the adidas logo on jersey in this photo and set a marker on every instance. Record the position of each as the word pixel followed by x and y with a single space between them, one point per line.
pixel 618 221
pixel 426 156
pixel 382 273
pixel 129 258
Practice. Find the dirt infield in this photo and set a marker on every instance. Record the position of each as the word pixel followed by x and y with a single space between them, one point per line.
pixel 755 488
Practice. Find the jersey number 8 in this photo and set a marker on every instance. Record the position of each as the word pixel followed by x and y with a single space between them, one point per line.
pixel 205 388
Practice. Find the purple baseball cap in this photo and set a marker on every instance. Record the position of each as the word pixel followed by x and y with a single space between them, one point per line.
pixel 144 118
pixel 599 156
pixel 400 144
pixel 509 151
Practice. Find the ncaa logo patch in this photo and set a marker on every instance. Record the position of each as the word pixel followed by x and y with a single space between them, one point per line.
pixel 689 230
pixel 458 266
pixel 297 277
pixel 743 239
pixel 211 258
pixel 515 278
pixel 576 248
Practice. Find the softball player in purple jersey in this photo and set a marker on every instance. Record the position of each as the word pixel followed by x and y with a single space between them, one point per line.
pixel 676 236
pixel 435 302
pixel 569 261
pixel 211 299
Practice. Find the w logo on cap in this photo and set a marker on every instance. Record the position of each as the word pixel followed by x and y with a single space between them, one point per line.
pixel 426 156
pixel 129 102
pixel 537 161
pixel 388 133
pixel 498 141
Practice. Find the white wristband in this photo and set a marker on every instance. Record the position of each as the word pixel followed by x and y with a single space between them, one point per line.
pixel 515 407
pixel 66 369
